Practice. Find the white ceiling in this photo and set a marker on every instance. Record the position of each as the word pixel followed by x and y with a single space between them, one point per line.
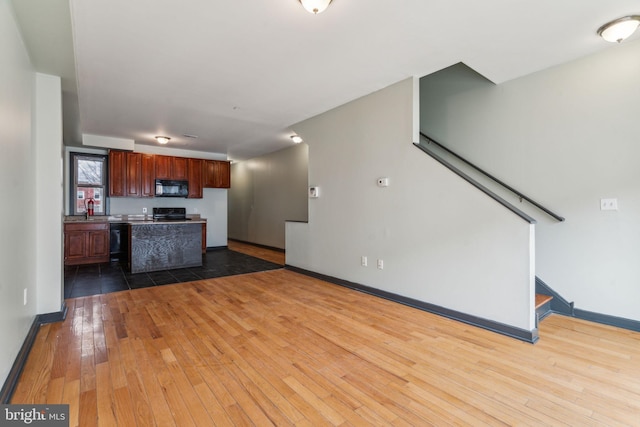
pixel 238 73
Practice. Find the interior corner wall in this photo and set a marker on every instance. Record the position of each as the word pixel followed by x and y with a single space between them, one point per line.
pixel 441 240
pixel 266 192
pixel 49 193
pixel 567 137
pixel 18 191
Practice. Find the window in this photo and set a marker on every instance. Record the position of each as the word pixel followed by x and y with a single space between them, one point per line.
pixel 88 178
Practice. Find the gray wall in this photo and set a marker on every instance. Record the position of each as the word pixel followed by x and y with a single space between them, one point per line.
pixel 441 240
pixel 267 191
pixel 18 192
pixel 567 137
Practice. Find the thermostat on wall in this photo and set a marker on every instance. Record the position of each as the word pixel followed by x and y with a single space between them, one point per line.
pixel 314 192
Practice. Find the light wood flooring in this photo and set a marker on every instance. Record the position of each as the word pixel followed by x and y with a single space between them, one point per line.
pixel 280 348
pixel 274 256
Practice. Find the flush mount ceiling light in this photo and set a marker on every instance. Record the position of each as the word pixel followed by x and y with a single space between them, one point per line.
pixel 315 6
pixel 296 139
pixel 162 139
pixel 619 29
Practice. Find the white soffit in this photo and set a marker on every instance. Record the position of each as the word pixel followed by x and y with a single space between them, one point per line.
pixel 107 142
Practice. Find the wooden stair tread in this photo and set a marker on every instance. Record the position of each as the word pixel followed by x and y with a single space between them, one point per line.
pixel 542 300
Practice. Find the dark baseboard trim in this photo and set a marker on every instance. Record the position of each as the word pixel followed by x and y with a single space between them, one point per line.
pixel 18 365
pixel 500 328
pixel 273 248
pixel 605 319
pixel 559 305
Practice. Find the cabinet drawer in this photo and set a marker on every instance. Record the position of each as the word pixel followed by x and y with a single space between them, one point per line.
pixel 87 226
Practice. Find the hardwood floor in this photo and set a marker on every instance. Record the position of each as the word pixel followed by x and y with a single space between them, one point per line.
pixel 270 255
pixel 280 348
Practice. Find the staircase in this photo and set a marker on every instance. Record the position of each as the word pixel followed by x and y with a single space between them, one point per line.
pixel 511 199
pixel 543 306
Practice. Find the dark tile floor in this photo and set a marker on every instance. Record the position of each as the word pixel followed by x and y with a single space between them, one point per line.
pixel 85 280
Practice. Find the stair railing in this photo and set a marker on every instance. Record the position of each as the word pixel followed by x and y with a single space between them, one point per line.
pixel 519 194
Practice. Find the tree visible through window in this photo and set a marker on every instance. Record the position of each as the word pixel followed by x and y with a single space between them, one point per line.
pixel 89 183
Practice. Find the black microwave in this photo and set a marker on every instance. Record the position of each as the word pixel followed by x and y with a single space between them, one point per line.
pixel 172 188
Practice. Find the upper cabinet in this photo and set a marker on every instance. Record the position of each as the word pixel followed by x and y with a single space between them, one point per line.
pixel 148 175
pixel 195 178
pixel 169 167
pixel 217 174
pixel 117 173
pixel 131 174
pixel 134 174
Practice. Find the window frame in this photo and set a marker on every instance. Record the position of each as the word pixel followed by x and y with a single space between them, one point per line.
pixel 74 187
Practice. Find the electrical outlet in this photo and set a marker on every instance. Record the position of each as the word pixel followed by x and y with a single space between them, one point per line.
pixel 144 210
pixel 25 297
pixel 363 261
pixel 608 204
pixel 380 264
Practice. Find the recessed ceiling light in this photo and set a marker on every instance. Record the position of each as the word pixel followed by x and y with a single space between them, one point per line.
pixel 297 139
pixel 162 139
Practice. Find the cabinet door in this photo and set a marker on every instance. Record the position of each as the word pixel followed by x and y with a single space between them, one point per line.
pixel 222 174
pixel 195 178
pixel 134 172
pixel 209 174
pixel 163 167
pixel 117 173
pixel 179 168
pixel 217 174
pixel 148 173
pixel 98 244
pixel 75 246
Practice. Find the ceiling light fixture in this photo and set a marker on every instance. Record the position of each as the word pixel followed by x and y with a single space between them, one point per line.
pixel 297 139
pixel 619 29
pixel 315 6
pixel 162 139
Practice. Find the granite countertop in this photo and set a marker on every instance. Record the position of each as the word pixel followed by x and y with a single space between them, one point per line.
pixel 130 219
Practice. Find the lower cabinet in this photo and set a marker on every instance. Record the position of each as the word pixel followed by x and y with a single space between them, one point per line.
pixel 204 237
pixel 86 243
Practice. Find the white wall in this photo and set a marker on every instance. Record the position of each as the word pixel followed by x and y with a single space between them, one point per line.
pixel 441 240
pixel 267 191
pixel 17 209
pixel 49 212
pixel 567 137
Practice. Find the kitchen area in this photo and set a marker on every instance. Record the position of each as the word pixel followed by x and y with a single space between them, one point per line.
pixel 136 221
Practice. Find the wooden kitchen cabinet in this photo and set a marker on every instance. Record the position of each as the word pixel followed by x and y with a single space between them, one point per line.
pixel 133 176
pixel 204 237
pixel 117 173
pixel 217 174
pixel 195 168
pixel 148 175
pixel 169 167
pixel 86 243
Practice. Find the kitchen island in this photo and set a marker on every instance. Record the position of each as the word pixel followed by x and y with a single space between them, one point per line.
pixel 145 245
pixel 157 246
